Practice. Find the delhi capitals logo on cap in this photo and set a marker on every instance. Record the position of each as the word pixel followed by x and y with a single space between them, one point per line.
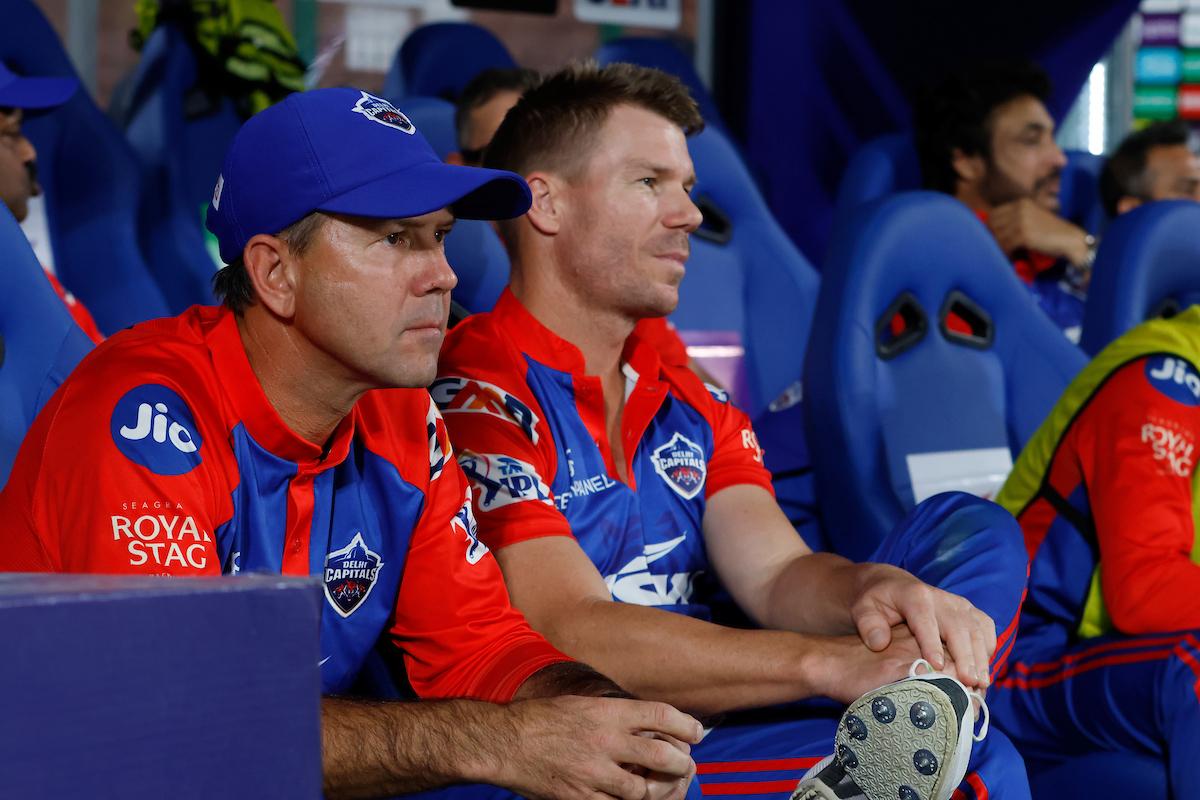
pixel 681 464
pixel 350 575
pixel 153 427
pixel 379 110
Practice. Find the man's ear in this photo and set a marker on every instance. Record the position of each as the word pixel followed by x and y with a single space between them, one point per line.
pixel 272 272
pixel 1127 203
pixel 545 213
pixel 968 168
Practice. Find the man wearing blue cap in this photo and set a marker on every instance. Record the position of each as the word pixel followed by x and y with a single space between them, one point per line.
pixel 286 433
pixel 18 160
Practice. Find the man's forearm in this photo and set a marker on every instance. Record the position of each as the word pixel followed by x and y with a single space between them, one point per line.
pixel 379 749
pixel 568 677
pixel 813 594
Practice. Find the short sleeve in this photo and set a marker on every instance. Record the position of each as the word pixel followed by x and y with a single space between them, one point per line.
pixel 737 458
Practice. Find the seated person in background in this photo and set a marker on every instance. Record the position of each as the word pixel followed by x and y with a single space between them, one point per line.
pixel 18 161
pixel 620 494
pixel 985 137
pixel 259 438
pixel 1158 162
pixel 1108 644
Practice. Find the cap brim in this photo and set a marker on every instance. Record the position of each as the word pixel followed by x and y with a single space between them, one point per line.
pixel 37 93
pixel 471 192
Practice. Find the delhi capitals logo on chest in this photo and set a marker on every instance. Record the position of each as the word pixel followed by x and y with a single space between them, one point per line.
pixel 681 464
pixel 350 575
pixel 379 110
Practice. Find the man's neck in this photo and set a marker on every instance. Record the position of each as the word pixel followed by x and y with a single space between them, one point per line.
pixel 310 399
pixel 600 335
pixel 971 197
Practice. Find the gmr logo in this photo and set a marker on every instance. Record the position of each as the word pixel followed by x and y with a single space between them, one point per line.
pixel 152 426
pixel 1175 378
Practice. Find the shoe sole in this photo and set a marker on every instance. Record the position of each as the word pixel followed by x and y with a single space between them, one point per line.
pixel 897 749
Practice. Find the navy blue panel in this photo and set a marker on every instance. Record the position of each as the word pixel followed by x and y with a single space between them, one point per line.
pixel 41 343
pixel 252 540
pixel 864 413
pixel 1149 257
pixel 92 182
pixel 152 688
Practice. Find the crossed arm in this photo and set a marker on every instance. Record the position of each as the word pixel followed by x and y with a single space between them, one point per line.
pixel 820 612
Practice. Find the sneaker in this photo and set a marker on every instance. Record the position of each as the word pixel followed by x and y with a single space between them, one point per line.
pixel 908 740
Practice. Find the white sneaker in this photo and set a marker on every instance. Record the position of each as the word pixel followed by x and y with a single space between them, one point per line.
pixel 908 740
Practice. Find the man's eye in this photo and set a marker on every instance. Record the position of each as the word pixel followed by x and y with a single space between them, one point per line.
pixel 440 236
pixel 394 238
pixel 649 181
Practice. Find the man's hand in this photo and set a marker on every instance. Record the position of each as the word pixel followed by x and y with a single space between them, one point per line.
pixel 842 668
pixel 887 596
pixel 578 747
pixel 1023 224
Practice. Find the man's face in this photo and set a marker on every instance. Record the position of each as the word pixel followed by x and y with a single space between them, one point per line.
pixel 1172 173
pixel 627 215
pixel 1025 160
pixel 17 155
pixel 374 295
pixel 482 123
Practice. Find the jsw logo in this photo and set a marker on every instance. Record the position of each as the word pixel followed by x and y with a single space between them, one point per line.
pixel 634 583
pixel 1180 372
pixel 155 425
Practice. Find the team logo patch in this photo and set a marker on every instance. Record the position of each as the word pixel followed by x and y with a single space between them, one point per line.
pixel 1175 378
pixel 464 522
pixel 501 480
pixel 439 442
pixel 152 426
pixel 681 464
pixel 467 396
pixel 350 575
pixel 379 110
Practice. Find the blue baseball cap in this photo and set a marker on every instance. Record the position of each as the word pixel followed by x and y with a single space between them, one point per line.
pixel 347 152
pixel 33 93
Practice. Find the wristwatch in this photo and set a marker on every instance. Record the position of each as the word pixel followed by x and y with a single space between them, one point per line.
pixel 1092 245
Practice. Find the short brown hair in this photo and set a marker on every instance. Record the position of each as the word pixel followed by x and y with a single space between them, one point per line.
pixel 232 284
pixel 557 120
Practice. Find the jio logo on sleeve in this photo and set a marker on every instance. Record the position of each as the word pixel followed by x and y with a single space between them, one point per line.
pixel 152 426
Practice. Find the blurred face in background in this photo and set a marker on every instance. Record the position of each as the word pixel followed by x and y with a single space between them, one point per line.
pixel 482 123
pixel 1025 161
pixel 17 157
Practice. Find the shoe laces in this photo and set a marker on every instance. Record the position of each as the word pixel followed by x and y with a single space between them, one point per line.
pixel 978 732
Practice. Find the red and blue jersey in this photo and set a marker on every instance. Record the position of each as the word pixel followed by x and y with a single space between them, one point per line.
pixel 529 424
pixel 162 455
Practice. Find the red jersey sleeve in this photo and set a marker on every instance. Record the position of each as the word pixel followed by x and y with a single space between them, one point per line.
pixel 118 475
pixel 1138 454
pixel 737 458
pixel 504 444
pixel 459 633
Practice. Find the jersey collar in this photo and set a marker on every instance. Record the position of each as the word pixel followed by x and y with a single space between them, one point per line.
pixel 546 347
pixel 261 420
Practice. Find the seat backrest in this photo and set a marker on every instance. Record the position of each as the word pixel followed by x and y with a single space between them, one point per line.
pixel 441 58
pixel 39 342
pixel 744 273
pixel 92 183
pixel 1148 265
pixel 663 54
pixel 434 118
pixel 888 164
pixel 896 412
pixel 180 136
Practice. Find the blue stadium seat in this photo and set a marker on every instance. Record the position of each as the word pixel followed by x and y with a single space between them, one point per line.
pixel 92 184
pixel 39 342
pixel 180 135
pixel 744 274
pixel 1148 265
pixel 666 55
pixel 889 164
pixel 876 396
pixel 434 118
pixel 440 59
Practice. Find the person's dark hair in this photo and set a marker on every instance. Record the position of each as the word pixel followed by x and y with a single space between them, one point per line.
pixel 232 284
pixel 1124 173
pixel 556 121
pixel 956 114
pixel 483 87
